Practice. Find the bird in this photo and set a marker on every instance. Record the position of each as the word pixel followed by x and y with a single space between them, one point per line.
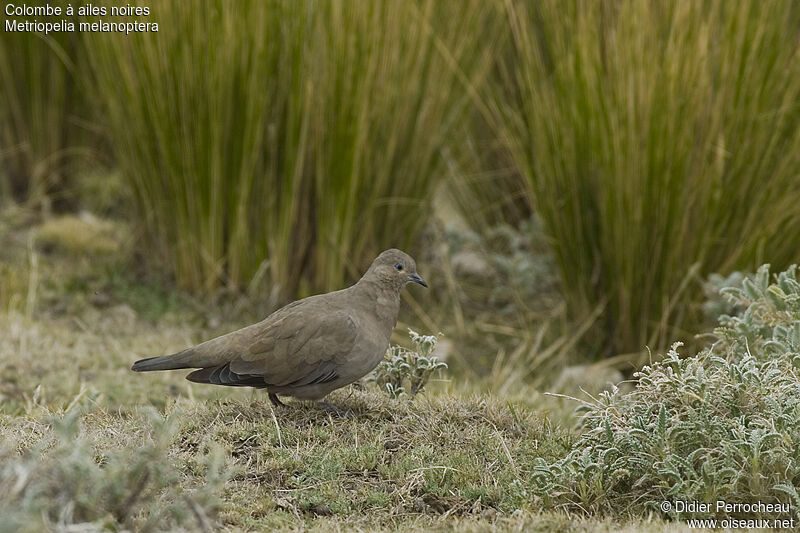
pixel 309 347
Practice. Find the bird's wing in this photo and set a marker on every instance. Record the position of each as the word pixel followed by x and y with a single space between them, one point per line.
pixel 302 346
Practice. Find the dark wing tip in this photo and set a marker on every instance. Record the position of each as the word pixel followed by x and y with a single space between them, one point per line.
pixel 200 376
pixel 223 375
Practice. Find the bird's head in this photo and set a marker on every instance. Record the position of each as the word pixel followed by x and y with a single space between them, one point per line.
pixel 394 268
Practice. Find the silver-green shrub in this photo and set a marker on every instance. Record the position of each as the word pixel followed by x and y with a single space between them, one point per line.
pixel 406 371
pixel 721 425
pixel 67 482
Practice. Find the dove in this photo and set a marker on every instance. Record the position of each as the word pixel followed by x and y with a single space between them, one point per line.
pixel 309 347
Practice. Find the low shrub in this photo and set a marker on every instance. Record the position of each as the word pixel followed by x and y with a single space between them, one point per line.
pixel 65 483
pixel 722 425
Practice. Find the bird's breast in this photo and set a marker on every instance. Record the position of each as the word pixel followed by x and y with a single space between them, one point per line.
pixel 386 312
pixel 373 350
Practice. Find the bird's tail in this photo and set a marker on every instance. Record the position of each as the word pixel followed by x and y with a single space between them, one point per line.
pixel 165 362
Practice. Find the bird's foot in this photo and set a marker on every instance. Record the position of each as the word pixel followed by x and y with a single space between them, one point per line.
pixel 275 400
pixel 332 409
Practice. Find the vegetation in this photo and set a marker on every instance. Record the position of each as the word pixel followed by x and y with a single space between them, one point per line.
pixel 86 443
pixel 327 127
pixel 81 436
pixel 60 481
pixel 722 425
pixel 660 140
pixel 407 371
pixel 566 173
pixel 236 464
pixel 42 122
pixel 284 144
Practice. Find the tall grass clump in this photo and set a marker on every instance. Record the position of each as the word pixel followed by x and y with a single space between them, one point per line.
pixel 654 136
pixel 484 185
pixel 287 142
pixel 42 116
pixel 722 425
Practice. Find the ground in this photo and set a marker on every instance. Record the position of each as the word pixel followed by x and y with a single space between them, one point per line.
pixel 87 441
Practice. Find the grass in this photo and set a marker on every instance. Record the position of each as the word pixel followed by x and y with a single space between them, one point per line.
pixel 44 117
pixel 274 148
pixel 659 140
pixel 395 462
pixel 322 132
pixel 497 299
pixel 88 444
pixel 394 466
pixel 484 185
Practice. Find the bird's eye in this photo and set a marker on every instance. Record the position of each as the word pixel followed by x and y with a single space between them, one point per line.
pixel 399 266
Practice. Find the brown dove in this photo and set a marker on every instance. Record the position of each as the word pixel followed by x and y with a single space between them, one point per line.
pixel 309 347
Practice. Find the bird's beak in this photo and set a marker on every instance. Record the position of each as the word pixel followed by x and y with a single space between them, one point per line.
pixel 416 279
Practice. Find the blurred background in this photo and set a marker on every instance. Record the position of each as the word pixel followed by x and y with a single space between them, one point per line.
pixel 568 175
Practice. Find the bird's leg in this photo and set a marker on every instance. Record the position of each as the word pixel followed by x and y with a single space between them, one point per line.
pixel 325 404
pixel 275 400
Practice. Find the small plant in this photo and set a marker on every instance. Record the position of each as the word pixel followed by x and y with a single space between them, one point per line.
pixel 407 371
